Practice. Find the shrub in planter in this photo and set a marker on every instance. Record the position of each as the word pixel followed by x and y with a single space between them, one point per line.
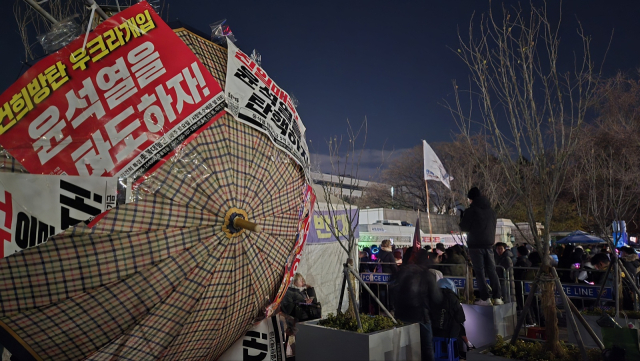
pixel 337 338
pixel 597 311
pixel 534 351
pixel 369 323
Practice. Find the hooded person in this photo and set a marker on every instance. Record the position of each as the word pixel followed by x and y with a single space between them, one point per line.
pixel 447 319
pixel 479 221
pixel 520 275
pixel 414 293
pixel 504 258
pixel 564 264
pixel 456 264
pixel 630 261
pixel 631 264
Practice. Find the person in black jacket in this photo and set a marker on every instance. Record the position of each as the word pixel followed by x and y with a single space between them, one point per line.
pixel 479 221
pixel 503 258
pixel 300 300
pixel 414 292
pixel 521 275
pixel 385 256
pixel 447 319
pixel 454 257
pixel 630 261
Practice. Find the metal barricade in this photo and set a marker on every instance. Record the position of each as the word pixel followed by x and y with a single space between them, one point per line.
pixel 378 283
pixel 460 282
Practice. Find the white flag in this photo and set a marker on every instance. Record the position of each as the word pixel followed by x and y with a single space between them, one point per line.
pixel 433 168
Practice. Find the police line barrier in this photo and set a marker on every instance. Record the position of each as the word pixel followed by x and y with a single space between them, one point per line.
pixel 572 290
pixel 577 291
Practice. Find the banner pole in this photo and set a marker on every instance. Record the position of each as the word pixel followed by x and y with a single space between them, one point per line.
pixel 426 185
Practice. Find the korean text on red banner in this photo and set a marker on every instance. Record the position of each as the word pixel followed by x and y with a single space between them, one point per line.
pixel 118 106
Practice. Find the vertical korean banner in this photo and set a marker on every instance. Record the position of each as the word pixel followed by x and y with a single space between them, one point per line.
pixel 253 98
pixel 291 266
pixel 116 107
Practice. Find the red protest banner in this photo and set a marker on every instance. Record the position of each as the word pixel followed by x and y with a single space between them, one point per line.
pixel 118 106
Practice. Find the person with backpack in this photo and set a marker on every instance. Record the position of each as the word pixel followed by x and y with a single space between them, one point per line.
pixel 414 292
pixel 447 319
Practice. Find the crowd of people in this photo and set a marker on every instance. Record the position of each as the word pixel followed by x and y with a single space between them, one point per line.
pixel 420 289
pixel 417 286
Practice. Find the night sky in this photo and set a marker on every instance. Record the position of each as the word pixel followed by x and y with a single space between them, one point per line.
pixel 386 60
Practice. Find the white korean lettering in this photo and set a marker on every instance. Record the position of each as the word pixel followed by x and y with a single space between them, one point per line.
pixel 75 102
pixel 47 129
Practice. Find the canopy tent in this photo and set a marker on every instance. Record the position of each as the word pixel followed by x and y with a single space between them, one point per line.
pixel 322 258
pixel 580 237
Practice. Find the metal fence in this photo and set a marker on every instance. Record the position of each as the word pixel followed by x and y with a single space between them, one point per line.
pixel 584 293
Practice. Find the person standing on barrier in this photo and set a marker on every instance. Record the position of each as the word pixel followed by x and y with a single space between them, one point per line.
pixel 479 221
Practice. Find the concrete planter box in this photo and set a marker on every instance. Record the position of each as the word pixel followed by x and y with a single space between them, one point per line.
pixel 484 323
pixel 314 342
pixel 591 320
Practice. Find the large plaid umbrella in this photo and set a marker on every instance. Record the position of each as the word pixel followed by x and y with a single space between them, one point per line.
pixel 167 276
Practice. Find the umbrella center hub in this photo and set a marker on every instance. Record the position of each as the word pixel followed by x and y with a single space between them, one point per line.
pixel 229 229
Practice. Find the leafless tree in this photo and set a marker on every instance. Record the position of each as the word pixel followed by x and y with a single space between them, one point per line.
pixel 530 109
pixel 474 163
pixel 341 215
pixel 460 159
pixel 30 23
pixel 606 177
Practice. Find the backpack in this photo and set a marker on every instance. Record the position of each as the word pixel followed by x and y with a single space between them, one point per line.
pixel 442 318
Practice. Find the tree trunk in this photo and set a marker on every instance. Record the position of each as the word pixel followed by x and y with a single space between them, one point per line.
pixel 550 314
pixel 351 312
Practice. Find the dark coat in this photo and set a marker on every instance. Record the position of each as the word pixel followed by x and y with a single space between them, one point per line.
pixel 506 262
pixel 631 264
pixel 387 257
pixel 460 266
pixel 292 300
pixel 479 221
pixel 523 274
pixel 450 309
pixel 413 292
pixel 366 265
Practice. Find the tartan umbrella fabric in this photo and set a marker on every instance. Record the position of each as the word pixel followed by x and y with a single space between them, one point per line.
pixel 159 278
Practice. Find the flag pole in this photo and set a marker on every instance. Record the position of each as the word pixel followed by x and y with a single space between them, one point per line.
pixel 426 185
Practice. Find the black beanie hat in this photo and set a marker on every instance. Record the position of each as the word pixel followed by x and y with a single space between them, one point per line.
pixel 523 250
pixel 473 193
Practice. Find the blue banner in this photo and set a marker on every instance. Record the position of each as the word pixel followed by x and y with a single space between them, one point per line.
pixel 322 223
pixel 572 290
pixel 580 291
pixel 375 277
pixel 460 282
